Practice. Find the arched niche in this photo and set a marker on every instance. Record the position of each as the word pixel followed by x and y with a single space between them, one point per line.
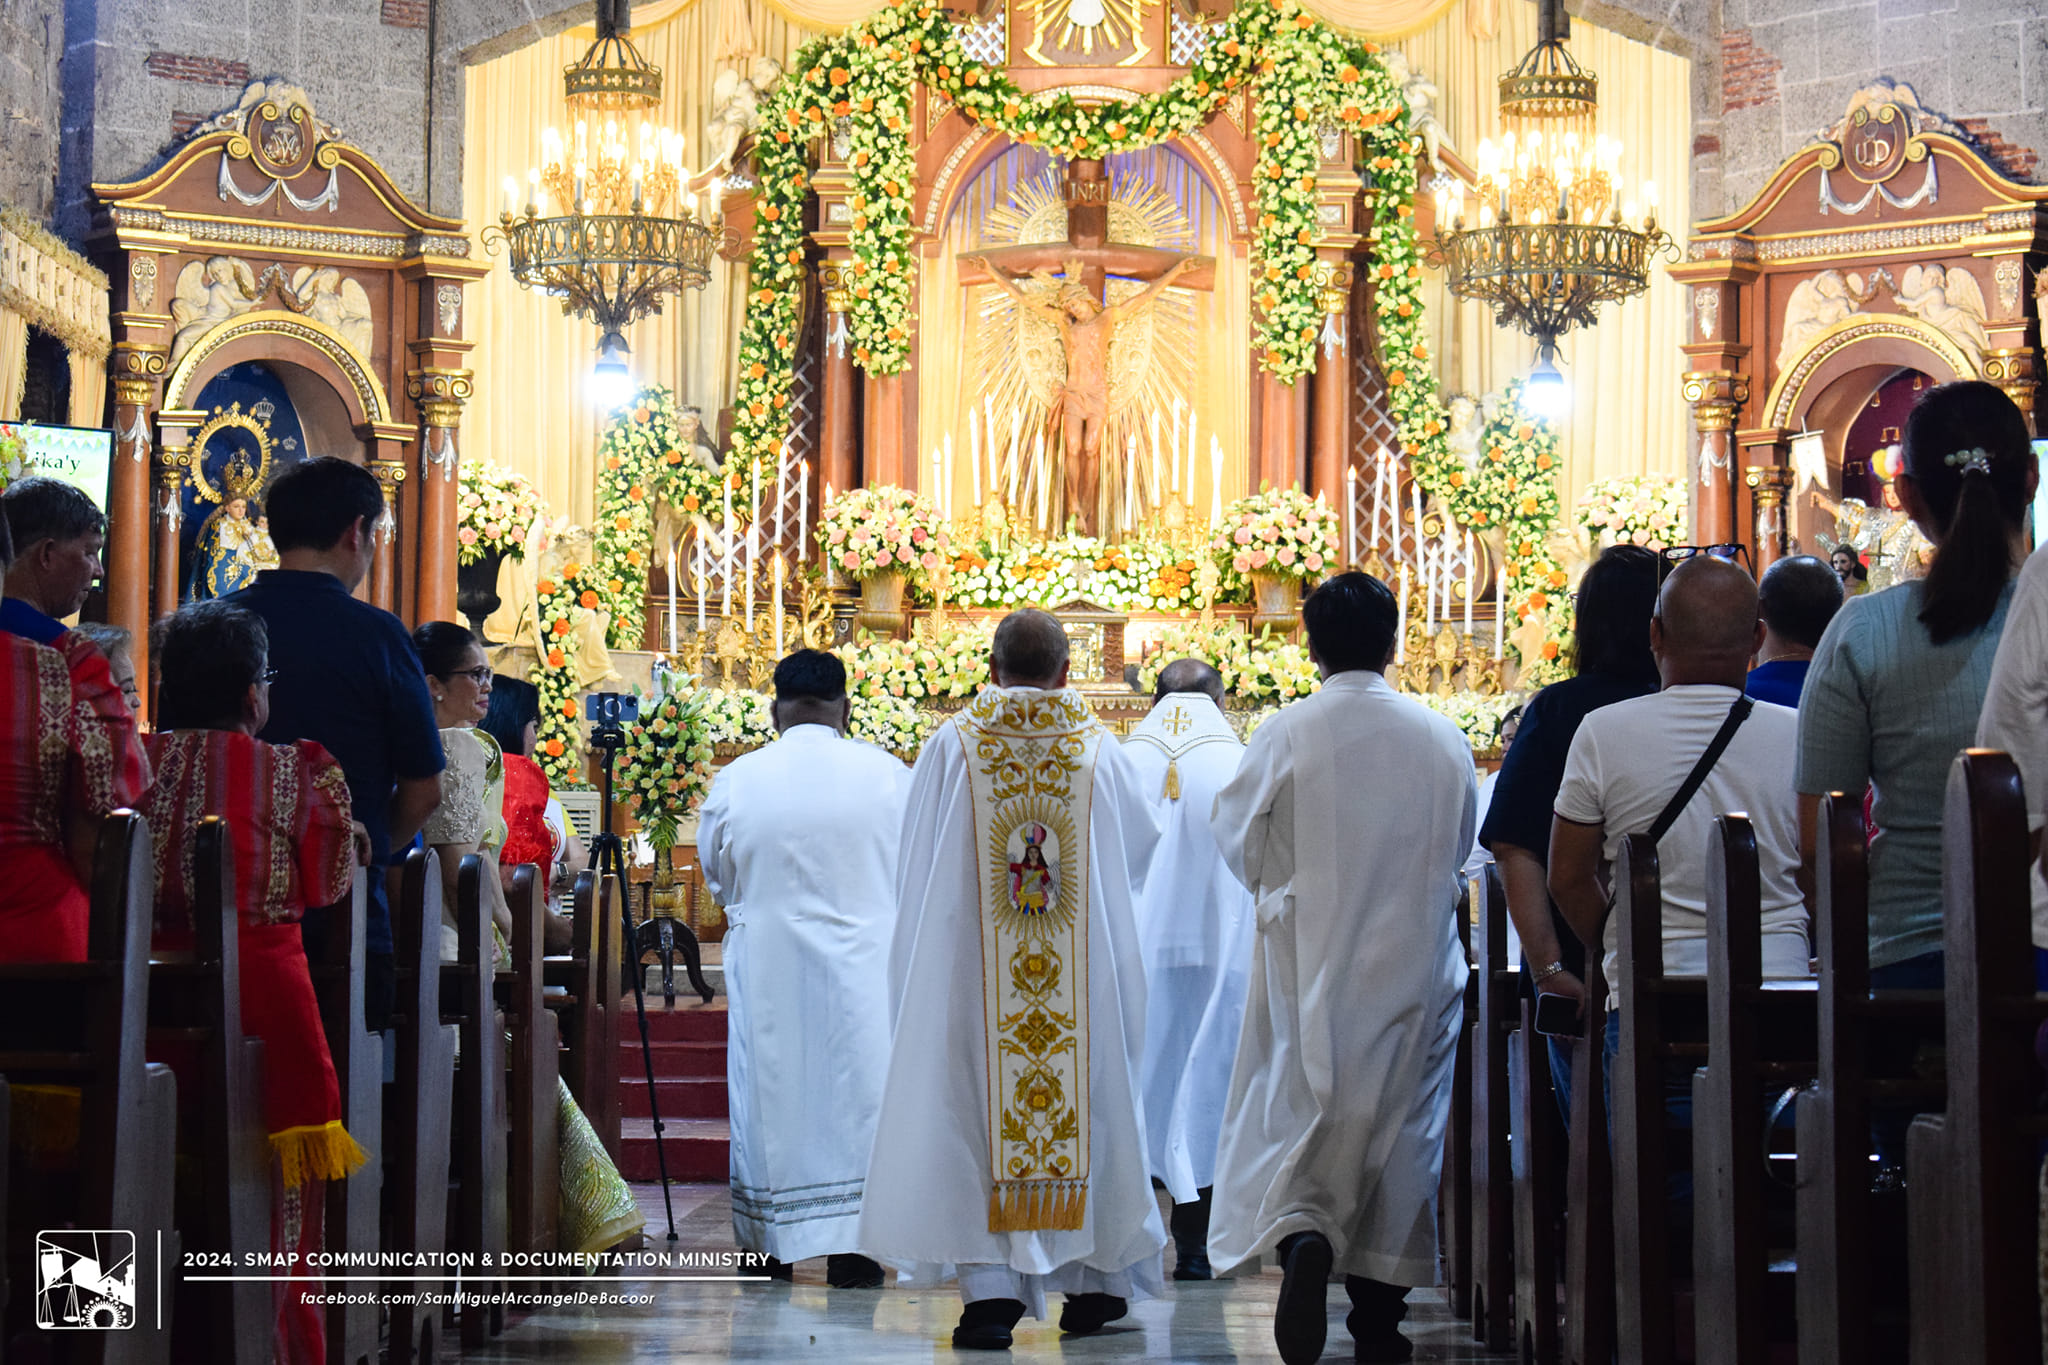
pixel 278 337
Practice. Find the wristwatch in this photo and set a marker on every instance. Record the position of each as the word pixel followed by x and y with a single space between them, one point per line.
pixel 1547 970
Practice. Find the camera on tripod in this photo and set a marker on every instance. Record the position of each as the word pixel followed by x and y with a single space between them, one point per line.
pixel 610 713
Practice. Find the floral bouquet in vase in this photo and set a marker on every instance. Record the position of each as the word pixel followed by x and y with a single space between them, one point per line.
pixel 665 767
pixel 493 512
pixel 1646 509
pixel 887 538
pixel 14 459
pixel 1270 542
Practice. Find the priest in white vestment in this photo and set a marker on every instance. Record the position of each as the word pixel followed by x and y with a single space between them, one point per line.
pixel 1195 928
pixel 1348 820
pixel 798 842
pixel 1011 1148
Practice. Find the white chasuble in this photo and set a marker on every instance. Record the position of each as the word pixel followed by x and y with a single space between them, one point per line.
pixel 798 842
pixel 1195 929
pixel 1348 820
pixel 1010 1133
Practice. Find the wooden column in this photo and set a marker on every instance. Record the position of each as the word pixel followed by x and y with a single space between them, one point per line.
pixel 1330 395
pixel 137 370
pixel 838 431
pixel 439 393
pixel 390 473
pixel 1769 481
pixel 1277 459
pixel 1716 396
pixel 884 459
pixel 173 461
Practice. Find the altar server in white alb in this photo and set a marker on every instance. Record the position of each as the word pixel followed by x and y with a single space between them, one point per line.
pixel 1011 1148
pixel 798 841
pixel 1348 820
pixel 1195 927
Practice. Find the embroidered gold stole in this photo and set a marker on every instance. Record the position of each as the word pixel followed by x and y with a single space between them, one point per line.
pixel 1031 769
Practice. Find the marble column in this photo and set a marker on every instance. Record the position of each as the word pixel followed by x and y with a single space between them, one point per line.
pixel 439 394
pixel 838 430
pixel 1716 396
pixel 136 370
pixel 1330 396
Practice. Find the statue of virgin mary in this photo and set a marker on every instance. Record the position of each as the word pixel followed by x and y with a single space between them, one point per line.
pixel 232 547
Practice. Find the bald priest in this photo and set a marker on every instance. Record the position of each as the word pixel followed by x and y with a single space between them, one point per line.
pixel 1010 1148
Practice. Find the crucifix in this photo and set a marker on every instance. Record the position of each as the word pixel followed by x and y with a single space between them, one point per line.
pixel 1079 306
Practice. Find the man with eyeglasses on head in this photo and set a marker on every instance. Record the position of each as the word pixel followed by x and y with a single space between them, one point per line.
pixel 346 675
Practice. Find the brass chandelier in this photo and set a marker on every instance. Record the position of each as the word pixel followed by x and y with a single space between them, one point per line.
pixel 1550 236
pixel 609 224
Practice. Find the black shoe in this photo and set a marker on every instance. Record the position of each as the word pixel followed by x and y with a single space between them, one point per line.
pixel 1376 1312
pixel 985 1325
pixel 1299 1326
pixel 1190 1223
pixel 784 1271
pixel 849 1271
pixel 1085 1313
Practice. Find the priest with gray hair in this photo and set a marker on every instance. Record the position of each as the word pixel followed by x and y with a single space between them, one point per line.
pixel 1010 1149
pixel 1195 929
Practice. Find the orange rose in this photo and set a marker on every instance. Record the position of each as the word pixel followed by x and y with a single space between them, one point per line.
pixel 569 709
pixel 553 748
pixel 555 658
pixel 1550 649
pixel 588 599
pixel 544 587
pixel 560 627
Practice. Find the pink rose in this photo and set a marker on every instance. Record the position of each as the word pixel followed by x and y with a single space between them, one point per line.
pixel 883 559
pixel 1243 536
pixel 930 562
pixel 1314 562
pixel 838 536
pixel 1269 534
pixel 849 560
pixel 917 537
pixel 1286 556
pixel 1242 564
pixel 466 536
pixel 1260 559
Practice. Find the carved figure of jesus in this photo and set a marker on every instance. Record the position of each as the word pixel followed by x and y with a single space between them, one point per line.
pixel 1086 328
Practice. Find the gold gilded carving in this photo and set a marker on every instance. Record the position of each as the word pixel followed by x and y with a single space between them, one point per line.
pixel 314 333
pixel 222 288
pixel 142 280
pixel 836 279
pixel 2012 369
pixel 1078 28
pixel 1716 396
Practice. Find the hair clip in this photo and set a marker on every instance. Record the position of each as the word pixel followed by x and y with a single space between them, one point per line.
pixel 1975 460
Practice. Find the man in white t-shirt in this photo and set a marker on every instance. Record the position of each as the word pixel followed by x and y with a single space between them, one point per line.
pixel 1629 759
pixel 2015 715
pixel 1626 764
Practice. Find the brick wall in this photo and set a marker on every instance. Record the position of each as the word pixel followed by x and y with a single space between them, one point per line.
pixel 177 66
pixel 1749 74
pixel 404 13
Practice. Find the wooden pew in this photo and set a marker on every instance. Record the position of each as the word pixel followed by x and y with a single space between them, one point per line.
pixel 195 1013
pixel 1760 1039
pixel 85 1025
pixel 1491 997
pixel 533 1171
pixel 1973 1172
pixel 579 1007
pixel 1454 1185
pixel 1663 1023
pixel 352 1204
pixel 478 1130
pixel 1589 1193
pixel 1539 1193
pixel 1844 1318
pixel 605 1111
pixel 416 1129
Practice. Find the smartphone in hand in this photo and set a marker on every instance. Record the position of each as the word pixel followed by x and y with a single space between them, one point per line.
pixel 1557 1016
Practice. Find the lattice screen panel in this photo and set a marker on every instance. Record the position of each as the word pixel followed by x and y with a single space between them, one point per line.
pixel 986 40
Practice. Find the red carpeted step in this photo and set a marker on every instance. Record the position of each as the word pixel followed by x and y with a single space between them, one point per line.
pixel 681 1097
pixel 697 1149
pixel 687 1023
pixel 672 1061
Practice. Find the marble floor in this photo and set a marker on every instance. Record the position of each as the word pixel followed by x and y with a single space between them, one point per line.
pixel 1218 1321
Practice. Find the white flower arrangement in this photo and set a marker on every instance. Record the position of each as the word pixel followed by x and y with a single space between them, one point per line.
pixel 893 723
pixel 739 720
pixel 1650 510
pixel 493 511
pixel 944 664
pixel 1478 714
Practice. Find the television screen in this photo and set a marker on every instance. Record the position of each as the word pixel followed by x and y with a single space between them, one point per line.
pixel 2040 508
pixel 81 456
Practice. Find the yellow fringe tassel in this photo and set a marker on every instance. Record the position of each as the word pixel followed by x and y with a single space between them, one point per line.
pixel 1172 792
pixel 1037 1205
pixel 321 1151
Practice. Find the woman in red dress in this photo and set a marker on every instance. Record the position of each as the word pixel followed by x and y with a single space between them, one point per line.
pixel 287 808
pixel 69 754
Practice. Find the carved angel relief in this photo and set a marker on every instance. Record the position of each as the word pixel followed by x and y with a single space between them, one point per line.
pixel 222 288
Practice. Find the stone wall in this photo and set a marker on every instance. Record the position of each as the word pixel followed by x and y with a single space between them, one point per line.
pixel 1788 67
pixel 31 102
pixel 138 73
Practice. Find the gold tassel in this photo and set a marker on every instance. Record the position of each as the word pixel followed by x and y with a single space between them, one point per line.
pixel 1172 792
pixel 321 1151
pixel 1037 1206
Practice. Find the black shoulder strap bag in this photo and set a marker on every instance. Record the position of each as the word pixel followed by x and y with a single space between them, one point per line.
pixel 1689 788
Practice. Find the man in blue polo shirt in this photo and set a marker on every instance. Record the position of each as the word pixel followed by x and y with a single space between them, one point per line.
pixel 347 676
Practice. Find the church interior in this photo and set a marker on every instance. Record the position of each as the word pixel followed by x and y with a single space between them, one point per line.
pixel 684 338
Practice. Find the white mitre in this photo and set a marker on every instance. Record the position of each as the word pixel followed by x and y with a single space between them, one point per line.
pixel 1182 721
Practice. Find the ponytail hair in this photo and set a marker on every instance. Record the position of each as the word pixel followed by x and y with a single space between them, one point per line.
pixel 1967 451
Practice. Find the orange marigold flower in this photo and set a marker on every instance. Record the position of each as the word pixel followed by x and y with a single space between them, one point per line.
pixel 689 502
pixel 840 75
pixel 1538 601
pixel 1397 378
pixel 588 599
pixel 553 748
pixel 1557 580
pixel 569 709
pixel 770 212
pixel 560 627
pixel 622 523
pixel 1406 310
pixel 1386 272
pixel 556 658
pixel 636 494
pixel 1543 462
